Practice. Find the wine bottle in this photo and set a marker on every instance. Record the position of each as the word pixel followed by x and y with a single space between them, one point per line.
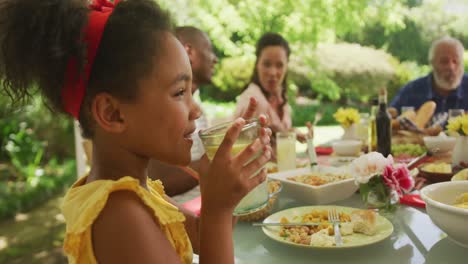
pixel 383 124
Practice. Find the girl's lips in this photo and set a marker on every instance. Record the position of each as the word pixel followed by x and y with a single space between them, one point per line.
pixel 189 134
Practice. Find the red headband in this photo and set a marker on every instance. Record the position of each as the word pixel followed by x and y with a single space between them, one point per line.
pixel 75 84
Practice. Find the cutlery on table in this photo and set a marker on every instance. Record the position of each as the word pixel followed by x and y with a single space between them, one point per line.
pixel 334 218
pixel 286 224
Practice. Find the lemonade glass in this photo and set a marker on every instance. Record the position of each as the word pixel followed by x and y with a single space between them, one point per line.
pixel 286 150
pixel 212 138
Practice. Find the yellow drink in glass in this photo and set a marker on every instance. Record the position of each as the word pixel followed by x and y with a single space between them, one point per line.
pixel 212 137
pixel 236 149
pixel 286 150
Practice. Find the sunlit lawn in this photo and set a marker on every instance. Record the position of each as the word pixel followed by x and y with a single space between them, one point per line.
pixel 34 237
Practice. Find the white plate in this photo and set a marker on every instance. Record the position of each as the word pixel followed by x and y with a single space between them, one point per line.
pixel 312 195
pixel 384 227
pixel 341 160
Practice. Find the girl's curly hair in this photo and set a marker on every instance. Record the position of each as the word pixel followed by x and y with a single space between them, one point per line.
pixel 38 37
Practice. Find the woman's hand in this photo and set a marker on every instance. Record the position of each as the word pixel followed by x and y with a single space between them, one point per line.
pixel 228 178
pixel 302 137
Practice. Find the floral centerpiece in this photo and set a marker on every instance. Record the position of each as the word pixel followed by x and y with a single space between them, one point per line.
pixel 381 182
pixel 346 116
pixel 459 126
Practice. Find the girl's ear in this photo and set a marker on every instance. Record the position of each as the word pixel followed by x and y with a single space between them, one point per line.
pixel 107 113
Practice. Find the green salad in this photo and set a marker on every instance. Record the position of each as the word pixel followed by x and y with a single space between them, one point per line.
pixel 413 150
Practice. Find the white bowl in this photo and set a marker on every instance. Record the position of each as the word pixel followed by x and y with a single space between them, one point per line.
pixel 440 144
pixel 347 147
pixel 313 195
pixel 439 198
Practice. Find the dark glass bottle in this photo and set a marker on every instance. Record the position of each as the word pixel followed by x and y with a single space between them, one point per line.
pixel 383 123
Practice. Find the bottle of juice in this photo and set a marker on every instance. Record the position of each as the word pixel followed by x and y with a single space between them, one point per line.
pixel 372 135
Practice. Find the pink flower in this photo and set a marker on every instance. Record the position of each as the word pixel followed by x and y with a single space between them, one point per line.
pixel 389 179
pixel 402 175
pixel 398 178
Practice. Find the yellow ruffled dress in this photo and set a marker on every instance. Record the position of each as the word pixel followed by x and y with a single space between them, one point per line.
pixel 83 203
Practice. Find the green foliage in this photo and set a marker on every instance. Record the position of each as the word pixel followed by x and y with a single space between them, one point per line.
pixel 218 110
pixel 36 147
pixel 33 128
pixel 465 60
pixel 404 73
pixel 304 113
pixel 415 25
pixel 20 196
pixel 235 26
pixel 232 75
pixel 351 71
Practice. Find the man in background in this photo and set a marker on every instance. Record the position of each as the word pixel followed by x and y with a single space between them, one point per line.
pixel 446 86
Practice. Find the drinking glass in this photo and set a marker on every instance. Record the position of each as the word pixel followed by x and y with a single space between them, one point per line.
pixel 286 150
pixel 455 112
pixel 363 130
pixel 212 137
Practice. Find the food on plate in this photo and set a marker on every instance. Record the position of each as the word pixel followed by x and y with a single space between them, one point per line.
pixel 461 175
pixel 322 239
pixel 364 221
pixel 322 234
pixel 462 201
pixel 318 178
pixel 272 169
pixel 412 150
pixel 346 228
pixel 441 167
pixel 433 130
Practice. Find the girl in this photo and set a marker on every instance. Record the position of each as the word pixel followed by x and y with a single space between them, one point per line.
pixel 118 69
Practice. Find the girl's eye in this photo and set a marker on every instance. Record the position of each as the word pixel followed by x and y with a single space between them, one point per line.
pixel 180 93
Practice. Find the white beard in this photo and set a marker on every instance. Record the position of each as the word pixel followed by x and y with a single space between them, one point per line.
pixel 446 85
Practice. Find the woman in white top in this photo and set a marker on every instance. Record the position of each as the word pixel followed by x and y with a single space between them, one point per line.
pixel 268 84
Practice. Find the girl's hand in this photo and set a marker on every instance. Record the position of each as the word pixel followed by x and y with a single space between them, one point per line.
pixel 228 178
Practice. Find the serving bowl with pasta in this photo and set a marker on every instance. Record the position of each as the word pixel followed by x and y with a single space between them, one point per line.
pixel 447 206
pixel 317 185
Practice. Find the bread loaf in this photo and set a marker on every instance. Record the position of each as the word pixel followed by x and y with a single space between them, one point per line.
pixel 364 221
pixel 395 124
pixel 424 114
pixel 393 112
pixel 411 115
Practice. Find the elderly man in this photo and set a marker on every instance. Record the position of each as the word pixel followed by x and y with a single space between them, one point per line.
pixel 446 85
pixel 178 180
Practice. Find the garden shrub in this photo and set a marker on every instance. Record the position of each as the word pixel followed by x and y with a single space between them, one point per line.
pixel 232 75
pixel 356 71
pixel 36 155
pixel 21 196
pixel 404 73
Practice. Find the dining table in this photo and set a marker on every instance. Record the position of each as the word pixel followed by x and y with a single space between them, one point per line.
pixel 415 239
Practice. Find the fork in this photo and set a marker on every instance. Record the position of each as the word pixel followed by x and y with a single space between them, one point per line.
pixel 334 218
pixel 318 117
